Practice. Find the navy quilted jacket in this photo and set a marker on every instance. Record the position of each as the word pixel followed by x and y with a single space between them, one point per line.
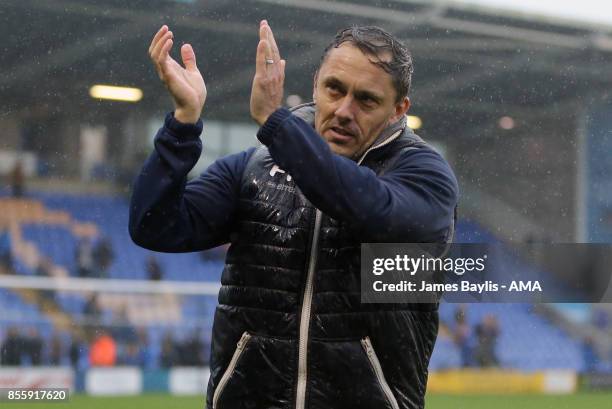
pixel 289 330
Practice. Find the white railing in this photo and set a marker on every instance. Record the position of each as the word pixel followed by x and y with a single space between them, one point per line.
pixel 109 285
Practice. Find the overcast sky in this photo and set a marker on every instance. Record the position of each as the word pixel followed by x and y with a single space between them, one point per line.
pixel 595 11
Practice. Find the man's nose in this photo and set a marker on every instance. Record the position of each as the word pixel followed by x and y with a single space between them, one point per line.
pixel 345 111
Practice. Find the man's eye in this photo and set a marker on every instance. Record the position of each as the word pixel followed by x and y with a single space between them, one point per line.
pixel 333 89
pixel 368 102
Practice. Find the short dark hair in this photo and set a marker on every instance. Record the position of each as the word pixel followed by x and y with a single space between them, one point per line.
pixel 375 41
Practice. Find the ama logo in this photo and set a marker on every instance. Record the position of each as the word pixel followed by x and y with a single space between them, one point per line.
pixel 530 286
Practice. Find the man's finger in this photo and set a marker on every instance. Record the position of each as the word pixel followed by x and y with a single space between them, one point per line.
pixel 162 59
pixel 269 53
pixel 160 44
pixel 188 57
pixel 273 46
pixel 263 35
pixel 282 64
pixel 261 57
pixel 157 36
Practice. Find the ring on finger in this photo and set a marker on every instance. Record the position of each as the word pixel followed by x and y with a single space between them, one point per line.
pixel 269 61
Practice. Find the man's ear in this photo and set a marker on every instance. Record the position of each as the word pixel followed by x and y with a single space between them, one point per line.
pixel 400 109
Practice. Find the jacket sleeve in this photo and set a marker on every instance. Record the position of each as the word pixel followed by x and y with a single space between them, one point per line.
pixel 169 214
pixel 412 201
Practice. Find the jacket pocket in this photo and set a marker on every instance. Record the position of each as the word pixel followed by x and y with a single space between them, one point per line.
pixel 341 374
pixel 380 376
pixel 240 347
pixel 260 374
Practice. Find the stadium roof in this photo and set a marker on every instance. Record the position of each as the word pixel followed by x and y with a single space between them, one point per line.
pixel 472 64
pixel 573 12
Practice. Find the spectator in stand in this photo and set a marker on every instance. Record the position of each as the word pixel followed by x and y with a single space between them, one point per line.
pixel 486 334
pixel 146 357
pixel 131 356
pixel 44 269
pixel 12 348
pixel 168 357
pixel 461 336
pixel 75 351
pixel 122 329
pixel 92 310
pixel 589 354
pixel 33 344
pixel 55 350
pixel 17 179
pixel 84 258
pixel 103 351
pixel 194 351
pixel 6 257
pixel 154 269
pixel 191 351
pixel 103 256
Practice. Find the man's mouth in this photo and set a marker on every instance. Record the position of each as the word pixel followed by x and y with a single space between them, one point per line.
pixel 341 134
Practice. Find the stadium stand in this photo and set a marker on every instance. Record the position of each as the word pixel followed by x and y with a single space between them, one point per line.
pixel 526 341
pixel 50 227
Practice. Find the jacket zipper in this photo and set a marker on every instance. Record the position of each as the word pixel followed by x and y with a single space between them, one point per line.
pixel 300 401
pixel 367 346
pixel 244 339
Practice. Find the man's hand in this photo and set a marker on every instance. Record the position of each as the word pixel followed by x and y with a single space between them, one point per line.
pixel 186 85
pixel 267 91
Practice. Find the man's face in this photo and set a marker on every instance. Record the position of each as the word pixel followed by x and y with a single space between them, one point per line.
pixel 355 100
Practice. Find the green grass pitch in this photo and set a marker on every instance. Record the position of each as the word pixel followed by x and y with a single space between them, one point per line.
pixel 164 401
